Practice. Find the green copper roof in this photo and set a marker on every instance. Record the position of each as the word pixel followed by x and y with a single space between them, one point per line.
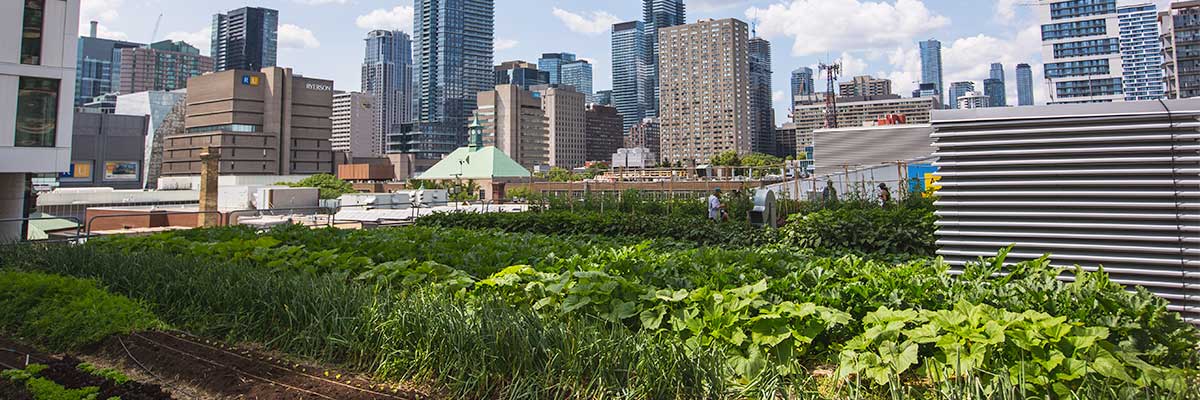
pixel 468 163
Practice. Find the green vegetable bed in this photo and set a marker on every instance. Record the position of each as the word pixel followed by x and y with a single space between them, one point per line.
pixel 487 314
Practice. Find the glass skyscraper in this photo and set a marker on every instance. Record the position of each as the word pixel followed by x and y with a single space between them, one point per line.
pixel 98 67
pixel 578 74
pixel 802 82
pixel 658 14
pixel 452 57
pixel 762 116
pixel 553 62
pixel 632 91
pixel 1141 52
pixel 959 89
pixel 931 65
pixel 387 75
pixel 994 89
pixel 1024 85
pixel 245 38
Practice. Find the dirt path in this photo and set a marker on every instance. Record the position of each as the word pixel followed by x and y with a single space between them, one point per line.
pixel 192 368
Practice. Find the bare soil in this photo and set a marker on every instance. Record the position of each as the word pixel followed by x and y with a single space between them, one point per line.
pixel 188 367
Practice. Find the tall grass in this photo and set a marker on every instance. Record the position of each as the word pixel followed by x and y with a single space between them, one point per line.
pixel 478 349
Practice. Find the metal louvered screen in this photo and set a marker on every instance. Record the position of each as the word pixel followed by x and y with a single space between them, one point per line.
pixel 1114 184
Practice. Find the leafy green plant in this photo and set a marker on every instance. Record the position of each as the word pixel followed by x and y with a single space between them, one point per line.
pixel 330 186
pixel 900 229
pixel 66 313
pixel 1043 353
pixel 106 373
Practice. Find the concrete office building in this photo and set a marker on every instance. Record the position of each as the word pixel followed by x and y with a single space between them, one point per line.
pixel 564 109
pixel 37 69
pixel 931 65
pixel 578 74
pixel 1141 52
pixel 809 115
pixel 645 134
pixel 107 150
pixel 705 60
pixel 163 66
pixel 656 16
pixel 1024 85
pixel 522 74
pixel 603 126
pixel 353 127
pixel 865 85
pixel 802 82
pixel 387 76
pixel 974 99
pixel 552 63
pixel 269 122
pixel 959 89
pixel 632 92
pixel 245 39
pixel 1081 50
pixel 762 111
pixel 513 121
pixel 98 66
pixel 994 90
pixel 1179 28
pixel 164 112
pixel 452 55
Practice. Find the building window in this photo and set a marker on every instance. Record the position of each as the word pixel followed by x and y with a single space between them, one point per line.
pixel 37 112
pixel 31 34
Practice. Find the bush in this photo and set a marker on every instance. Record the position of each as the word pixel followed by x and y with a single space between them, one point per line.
pixel 330 186
pixel 66 313
pixel 695 229
pixel 905 228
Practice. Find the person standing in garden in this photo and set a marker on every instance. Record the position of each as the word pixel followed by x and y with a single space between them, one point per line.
pixel 829 194
pixel 885 195
pixel 716 210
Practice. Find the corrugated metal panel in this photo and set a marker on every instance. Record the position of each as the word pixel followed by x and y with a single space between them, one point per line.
pixel 836 150
pixel 1114 185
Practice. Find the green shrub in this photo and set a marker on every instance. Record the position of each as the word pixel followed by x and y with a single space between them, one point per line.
pixel 695 229
pixel 330 186
pixel 905 228
pixel 66 313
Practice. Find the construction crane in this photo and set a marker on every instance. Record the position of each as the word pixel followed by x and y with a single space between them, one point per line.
pixel 831 71
pixel 154 33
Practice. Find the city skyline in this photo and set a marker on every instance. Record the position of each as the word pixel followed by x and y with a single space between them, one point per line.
pixel 320 37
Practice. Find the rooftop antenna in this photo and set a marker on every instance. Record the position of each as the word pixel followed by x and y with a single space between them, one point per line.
pixel 831 71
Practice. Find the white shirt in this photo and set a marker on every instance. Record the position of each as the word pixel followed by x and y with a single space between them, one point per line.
pixel 714 206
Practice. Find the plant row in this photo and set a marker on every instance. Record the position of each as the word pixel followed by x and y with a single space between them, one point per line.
pixel 766 309
pixel 695 229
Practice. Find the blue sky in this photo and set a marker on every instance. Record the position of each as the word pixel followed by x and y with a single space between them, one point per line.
pixel 323 38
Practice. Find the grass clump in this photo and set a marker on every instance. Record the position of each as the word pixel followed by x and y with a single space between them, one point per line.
pixel 66 313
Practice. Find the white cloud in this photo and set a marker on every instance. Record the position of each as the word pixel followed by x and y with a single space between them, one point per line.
pixel 104 12
pixel 202 38
pixel 778 96
pixel 594 23
pixel 320 2
pixel 295 37
pixel 505 44
pixel 970 59
pixel 398 18
pixel 714 5
pixel 1006 10
pixel 846 24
